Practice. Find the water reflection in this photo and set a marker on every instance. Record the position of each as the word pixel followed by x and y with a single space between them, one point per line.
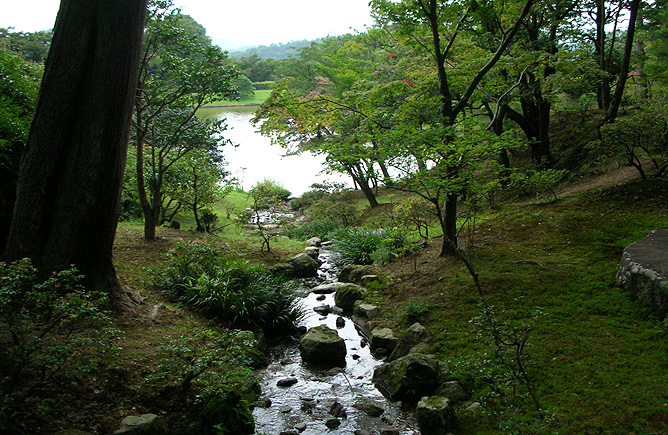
pixel 255 159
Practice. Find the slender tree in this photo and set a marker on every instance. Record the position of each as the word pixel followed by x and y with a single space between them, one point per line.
pixel 71 176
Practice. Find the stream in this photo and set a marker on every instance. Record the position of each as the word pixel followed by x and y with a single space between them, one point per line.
pixel 306 406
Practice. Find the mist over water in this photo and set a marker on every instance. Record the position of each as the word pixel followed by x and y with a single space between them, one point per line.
pixel 255 158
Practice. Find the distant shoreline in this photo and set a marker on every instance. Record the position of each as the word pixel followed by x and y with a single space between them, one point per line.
pixel 218 106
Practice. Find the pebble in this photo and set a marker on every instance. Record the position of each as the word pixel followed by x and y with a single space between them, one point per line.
pixel 340 322
pixel 321 298
pixel 285 409
pixel 356 357
pixel 287 362
pixel 389 419
pixel 389 431
pixel 301 427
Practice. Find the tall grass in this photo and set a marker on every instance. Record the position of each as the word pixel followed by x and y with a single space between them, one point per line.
pixel 232 291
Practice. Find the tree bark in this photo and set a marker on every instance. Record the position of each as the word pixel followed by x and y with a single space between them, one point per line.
pixel 69 188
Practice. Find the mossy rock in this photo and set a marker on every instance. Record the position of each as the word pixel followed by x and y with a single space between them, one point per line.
pixel 322 346
pixel 410 377
pixel 347 294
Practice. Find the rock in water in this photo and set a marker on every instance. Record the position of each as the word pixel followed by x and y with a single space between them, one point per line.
pixel 347 294
pixel 415 335
pixel 304 266
pixel 410 377
pixel 322 346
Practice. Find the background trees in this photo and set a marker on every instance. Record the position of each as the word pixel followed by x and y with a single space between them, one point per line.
pixel 180 71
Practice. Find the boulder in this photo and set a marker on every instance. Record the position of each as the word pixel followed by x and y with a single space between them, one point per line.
pixel 304 266
pixel 413 336
pixel 644 271
pixel 325 289
pixel 314 242
pixel 366 311
pixel 435 416
pixel 282 269
pixel 322 346
pixel 354 272
pixel 453 391
pixel 312 252
pixel 410 377
pixel 145 424
pixel 369 408
pixel 347 294
pixel 383 338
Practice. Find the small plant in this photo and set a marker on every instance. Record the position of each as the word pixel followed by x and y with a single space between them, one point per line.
pixel 416 310
pixel 357 245
pixel 534 183
pixel 321 228
pixel 223 411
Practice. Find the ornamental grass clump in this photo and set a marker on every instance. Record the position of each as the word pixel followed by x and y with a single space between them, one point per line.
pixel 365 246
pixel 232 291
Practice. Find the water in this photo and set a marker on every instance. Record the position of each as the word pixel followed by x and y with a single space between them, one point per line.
pixel 316 390
pixel 256 159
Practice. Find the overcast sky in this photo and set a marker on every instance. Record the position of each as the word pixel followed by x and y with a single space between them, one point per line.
pixel 231 24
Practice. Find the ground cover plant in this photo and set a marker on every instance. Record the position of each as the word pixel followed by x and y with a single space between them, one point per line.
pixel 231 290
pixel 595 356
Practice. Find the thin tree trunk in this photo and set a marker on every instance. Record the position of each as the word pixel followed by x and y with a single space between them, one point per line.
pixel 69 188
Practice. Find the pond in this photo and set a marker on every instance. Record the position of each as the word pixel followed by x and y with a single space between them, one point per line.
pixel 255 158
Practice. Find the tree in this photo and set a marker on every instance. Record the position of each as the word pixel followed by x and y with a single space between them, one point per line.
pixel 433 27
pixel 179 73
pixel 197 184
pixel 70 180
pixel 33 46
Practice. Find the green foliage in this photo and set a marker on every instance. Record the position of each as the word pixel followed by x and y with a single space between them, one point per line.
pixel 32 46
pixel 534 183
pixel 321 228
pixel 230 290
pixel 642 135
pixel 307 199
pixel 415 310
pixel 49 328
pixel 363 246
pixel 223 411
pixel 268 192
pixel 337 207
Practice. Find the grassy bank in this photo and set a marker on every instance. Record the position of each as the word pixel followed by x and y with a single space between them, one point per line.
pixel 597 358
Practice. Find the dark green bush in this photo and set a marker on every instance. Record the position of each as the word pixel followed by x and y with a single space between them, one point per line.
pixel 223 411
pixel 232 291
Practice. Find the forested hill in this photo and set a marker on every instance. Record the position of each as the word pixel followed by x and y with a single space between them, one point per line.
pixel 273 51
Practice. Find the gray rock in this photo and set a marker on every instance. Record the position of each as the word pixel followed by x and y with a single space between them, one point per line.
pixel 474 406
pixel 264 402
pixel 312 252
pixel 301 427
pixel 321 298
pixel 453 391
pixel 288 432
pixel 435 416
pixel 644 271
pixel 287 382
pixel 328 288
pixel 304 266
pixel 361 432
pixel 414 335
pixel 340 322
pixel 337 410
pixel 285 409
pixel 323 347
pixel 347 294
pixel 337 310
pixel 389 431
pixel 383 338
pixel 366 311
pixel 410 377
pixel 369 408
pixel 146 424
pixel 389 419
pixel 314 241
pixel 354 273
pixel 323 309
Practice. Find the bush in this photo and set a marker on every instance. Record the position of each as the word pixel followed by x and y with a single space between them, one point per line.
pixel 232 291
pixel 321 228
pixel 223 411
pixel 357 245
pixel 49 332
pixel 307 199
pixel 268 192
pixel 415 310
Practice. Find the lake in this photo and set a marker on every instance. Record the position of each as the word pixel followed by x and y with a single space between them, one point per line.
pixel 255 158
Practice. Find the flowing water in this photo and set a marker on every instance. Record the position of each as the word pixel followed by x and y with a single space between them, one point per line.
pixel 309 400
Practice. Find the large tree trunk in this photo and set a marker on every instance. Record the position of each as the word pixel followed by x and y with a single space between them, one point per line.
pixel 69 188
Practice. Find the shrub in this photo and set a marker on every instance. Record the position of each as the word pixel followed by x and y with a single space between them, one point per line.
pixel 357 245
pixel 222 411
pixel 415 310
pixel 232 291
pixel 307 199
pixel 49 332
pixel 267 192
pixel 321 228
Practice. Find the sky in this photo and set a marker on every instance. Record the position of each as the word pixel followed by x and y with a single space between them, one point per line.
pixel 230 24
